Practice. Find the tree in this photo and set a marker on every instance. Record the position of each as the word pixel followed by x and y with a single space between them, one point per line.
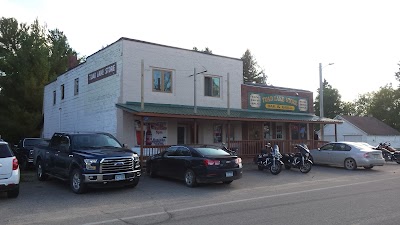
pixel 30 57
pixel 332 101
pixel 385 106
pixel 206 50
pixel 251 71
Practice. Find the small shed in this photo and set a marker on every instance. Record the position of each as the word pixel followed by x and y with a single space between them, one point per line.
pixel 362 129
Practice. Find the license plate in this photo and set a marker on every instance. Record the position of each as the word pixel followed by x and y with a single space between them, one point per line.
pixel 229 174
pixel 120 177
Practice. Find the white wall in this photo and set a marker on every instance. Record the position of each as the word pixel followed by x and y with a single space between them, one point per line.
pixel 343 129
pixel 93 109
pixel 182 63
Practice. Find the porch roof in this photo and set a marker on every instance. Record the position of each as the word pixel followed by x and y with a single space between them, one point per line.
pixel 184 111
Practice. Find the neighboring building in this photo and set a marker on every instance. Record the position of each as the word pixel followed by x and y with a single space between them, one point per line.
pixel 362 129
pixel 155 95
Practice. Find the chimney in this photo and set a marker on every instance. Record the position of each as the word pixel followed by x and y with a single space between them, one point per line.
pixel 72 61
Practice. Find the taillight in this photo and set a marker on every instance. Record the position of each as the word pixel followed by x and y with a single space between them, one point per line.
pixel 238 160
pixel 15 163
pixel 210 162
pixel 366 155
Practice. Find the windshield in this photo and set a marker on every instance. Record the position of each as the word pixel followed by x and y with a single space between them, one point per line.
pixel 93 141
pixel 211 151
pixel 32 141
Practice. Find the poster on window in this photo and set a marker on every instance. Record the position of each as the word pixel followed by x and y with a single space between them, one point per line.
pixel 155 133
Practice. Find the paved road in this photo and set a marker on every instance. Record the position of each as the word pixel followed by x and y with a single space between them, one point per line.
pixel 326 195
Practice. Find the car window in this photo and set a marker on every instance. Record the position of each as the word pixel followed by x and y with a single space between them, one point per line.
pixel 5 151
pixel 171 151
pixel 64 141
pixel 32 141
pixel 327 147
pixel 182 151
pixel 211 151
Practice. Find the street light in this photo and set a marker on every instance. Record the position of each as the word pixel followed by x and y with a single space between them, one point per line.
pixel 321 99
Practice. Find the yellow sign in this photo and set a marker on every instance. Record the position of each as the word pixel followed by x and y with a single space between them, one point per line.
pixel 280 107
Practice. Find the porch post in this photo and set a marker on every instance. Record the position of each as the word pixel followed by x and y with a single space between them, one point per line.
pixel 142 139
pixel 195 132
pixel 229 134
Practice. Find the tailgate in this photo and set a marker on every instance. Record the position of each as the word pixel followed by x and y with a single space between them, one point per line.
pixel 6 167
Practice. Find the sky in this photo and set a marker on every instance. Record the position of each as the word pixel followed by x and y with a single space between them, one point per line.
pixel 288 38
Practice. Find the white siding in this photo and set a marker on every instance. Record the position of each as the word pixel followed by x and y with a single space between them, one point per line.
pixel 182 63
pixel 93 109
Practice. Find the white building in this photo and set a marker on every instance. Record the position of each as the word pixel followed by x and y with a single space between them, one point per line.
pixel 85 97
pixel 147 94
pixel 362 129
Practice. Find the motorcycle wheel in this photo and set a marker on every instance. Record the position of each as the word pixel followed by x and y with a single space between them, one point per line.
pixel 260 168
pixel 306 167
pixel 275 170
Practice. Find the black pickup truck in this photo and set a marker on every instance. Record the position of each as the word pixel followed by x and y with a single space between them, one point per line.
pixel 24 151
pixel 87 158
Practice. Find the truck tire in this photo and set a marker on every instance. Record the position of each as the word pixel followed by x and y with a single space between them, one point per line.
pixel 133 183
pixel 77 182
pixel 40 171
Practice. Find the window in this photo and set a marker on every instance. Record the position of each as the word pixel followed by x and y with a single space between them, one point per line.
pixel 267 131
pixel 299 131
pixel 54 97
pixel 76 86
pixel 217 133
pixel 211 86
pixel 162 80
pixel 62 91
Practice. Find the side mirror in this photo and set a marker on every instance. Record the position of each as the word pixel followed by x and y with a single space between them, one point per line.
pixel 124 146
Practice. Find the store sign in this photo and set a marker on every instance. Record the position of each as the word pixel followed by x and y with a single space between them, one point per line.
pixel 272 102
pixel 102 73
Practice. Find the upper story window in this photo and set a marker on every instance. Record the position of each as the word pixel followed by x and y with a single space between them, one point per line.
pixel 76 86
pixel 162 80
pixel 62 91
pixel 212 86
pixel 54 97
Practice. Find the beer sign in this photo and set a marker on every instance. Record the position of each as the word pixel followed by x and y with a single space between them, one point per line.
pixel 272 102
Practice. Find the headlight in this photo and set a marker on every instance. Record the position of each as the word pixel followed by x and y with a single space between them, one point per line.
pixel 90 164
pixel 135 157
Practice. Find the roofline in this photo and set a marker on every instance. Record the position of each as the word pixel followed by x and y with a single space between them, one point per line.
pixel 352 124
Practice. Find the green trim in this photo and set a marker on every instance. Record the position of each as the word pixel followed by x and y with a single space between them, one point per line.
pixel 218 113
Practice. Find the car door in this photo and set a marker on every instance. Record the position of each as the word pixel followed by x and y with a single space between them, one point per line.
pixel 339 153
pixel 323 154
pixel 63 157
pixel 163 164
pixel 180 161
pixel 50 153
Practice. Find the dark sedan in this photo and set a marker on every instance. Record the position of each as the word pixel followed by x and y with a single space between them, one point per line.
pixel 195 165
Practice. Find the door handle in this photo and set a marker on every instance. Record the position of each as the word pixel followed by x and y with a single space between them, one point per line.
pixel 1 165
pixel 56 154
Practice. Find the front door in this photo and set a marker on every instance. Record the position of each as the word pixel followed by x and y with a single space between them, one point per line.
pixel 181 135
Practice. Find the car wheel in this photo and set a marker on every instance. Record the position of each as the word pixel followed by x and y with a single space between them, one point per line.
pixel 227 182
pixel 133 183
pixel 151 171
pixel 350 164
pixel 13 193
pixel 190 178
pixel 40 172
pixel 306 167
pixel 368 167
pixel 76 182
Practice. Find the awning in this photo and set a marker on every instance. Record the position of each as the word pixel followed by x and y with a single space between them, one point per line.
pixel 184 111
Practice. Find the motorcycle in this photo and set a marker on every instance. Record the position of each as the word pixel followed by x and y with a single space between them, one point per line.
pixel 231 151
pixel 388 152
pixel 300 159
pixel 271 161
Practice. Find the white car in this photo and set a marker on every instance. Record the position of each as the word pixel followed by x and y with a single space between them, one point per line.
pixel 348 154
pixel 9 171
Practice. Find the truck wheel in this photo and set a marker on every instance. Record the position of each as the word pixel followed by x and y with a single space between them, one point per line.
pixel 133 183
pixel 77 182
pixel 40 172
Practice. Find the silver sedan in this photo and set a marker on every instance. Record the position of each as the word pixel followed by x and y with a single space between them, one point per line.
pixel 348 154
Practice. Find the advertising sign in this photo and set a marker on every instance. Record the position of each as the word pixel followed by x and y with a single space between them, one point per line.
pixel 273 102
